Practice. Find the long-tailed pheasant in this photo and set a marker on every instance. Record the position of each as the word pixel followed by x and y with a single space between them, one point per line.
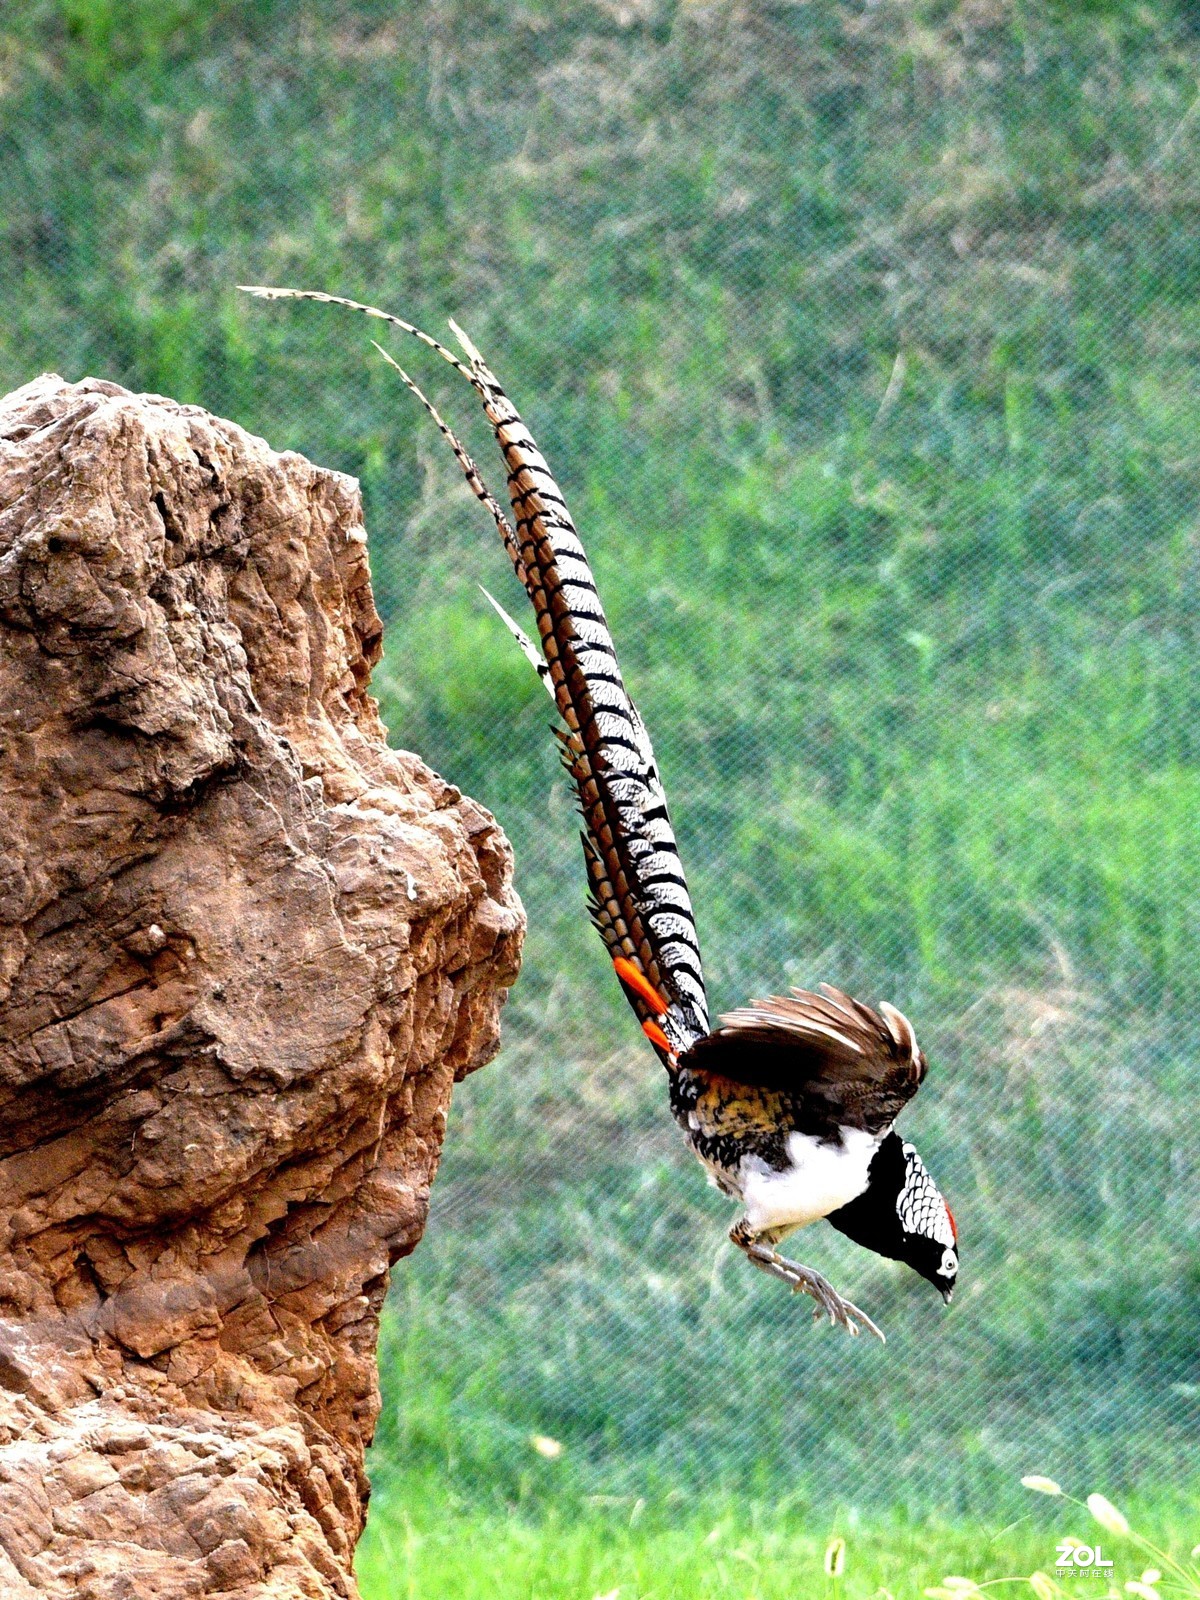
pixel 789 1102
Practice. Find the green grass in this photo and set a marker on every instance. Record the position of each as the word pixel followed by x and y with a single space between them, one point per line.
pixel 421 1546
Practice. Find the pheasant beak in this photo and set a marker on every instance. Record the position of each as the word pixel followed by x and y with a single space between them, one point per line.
pixel 947 1295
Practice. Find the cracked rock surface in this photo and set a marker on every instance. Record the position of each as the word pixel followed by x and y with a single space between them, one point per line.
pixel 245 952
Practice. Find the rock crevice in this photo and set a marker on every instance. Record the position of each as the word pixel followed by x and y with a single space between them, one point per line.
pixel 245 951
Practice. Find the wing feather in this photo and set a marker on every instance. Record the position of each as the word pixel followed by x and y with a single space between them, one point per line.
pixel 864 1064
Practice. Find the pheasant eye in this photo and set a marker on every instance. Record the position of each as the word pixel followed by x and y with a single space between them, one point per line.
pixel 949 1266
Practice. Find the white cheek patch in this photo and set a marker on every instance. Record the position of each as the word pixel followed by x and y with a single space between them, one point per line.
pixel 921 1208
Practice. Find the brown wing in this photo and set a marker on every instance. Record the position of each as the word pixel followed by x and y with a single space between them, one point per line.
pixel 862 1066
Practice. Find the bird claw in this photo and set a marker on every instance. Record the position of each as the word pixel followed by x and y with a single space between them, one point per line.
pixel 803 1280
pixel 841 1312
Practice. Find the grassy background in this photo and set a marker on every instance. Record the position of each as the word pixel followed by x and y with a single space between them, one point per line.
pixel 864 338
pixel 737 1549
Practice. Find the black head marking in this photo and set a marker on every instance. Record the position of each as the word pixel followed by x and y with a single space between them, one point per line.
pixel 901 1215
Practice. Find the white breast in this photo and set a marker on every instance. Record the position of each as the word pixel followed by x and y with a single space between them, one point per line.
pixel 820 1178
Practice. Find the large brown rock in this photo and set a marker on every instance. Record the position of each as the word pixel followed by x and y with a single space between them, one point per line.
pixel 245 951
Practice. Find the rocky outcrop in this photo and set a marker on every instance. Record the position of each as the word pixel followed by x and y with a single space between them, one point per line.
pixel 245 951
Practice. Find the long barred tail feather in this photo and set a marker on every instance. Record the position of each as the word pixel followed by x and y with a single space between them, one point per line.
pixel 263 292
pixel 637 879
pixel 638 893
pixel 526 645
pixel 470 472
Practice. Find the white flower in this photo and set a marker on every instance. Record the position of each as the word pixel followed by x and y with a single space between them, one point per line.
pixel 1041 1485
pixel 835 1558
pixel 1142 1590
pixel 550 1448
pixel 1151 1575
pixel 1106 1514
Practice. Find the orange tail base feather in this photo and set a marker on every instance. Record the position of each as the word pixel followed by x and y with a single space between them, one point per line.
pixel 657 1037
pixel 640 984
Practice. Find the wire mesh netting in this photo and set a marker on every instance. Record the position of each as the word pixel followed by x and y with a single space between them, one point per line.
pixel 864 340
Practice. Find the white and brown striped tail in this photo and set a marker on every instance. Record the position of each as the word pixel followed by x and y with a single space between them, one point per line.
pixel 639 896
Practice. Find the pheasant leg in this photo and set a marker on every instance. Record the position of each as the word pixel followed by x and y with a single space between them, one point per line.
pixel 803 1280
